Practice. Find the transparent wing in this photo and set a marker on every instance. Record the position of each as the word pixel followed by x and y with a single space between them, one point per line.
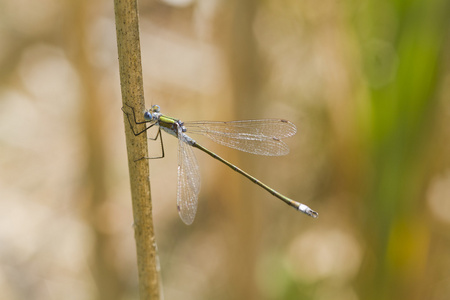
pixel 188 181
pixel 262 137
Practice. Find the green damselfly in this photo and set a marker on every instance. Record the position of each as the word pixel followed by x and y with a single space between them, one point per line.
pixel 261 137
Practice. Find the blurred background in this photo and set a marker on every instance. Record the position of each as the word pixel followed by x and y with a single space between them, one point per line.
pixel 366 82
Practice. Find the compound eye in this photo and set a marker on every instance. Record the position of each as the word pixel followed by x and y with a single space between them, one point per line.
pixel 148 116
pixel 156 108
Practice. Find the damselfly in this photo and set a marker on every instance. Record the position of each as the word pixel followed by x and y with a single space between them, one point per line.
pixel 261 137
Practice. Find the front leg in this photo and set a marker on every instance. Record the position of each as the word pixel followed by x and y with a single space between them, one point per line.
pixel 136 122
pixel 162 146
pixel 134 115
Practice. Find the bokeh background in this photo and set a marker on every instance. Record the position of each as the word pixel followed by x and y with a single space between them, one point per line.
pixel 366 82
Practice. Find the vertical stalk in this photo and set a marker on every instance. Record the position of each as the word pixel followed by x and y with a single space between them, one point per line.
pixel 128 43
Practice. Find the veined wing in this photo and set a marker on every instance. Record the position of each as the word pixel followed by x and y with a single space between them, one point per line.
pixel 262 137
pixel 188 180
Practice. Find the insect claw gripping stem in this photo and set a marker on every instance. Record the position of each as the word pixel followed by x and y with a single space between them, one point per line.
pixel 136 122
pixel 145 129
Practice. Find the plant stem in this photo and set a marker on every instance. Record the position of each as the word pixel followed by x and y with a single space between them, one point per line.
pixel 127 29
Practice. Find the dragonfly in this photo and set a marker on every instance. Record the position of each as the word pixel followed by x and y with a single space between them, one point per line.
pixel 262 137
